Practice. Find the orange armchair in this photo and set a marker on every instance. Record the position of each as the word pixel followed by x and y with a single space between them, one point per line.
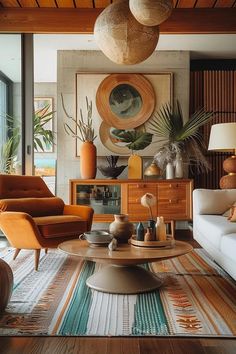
pixel 31 217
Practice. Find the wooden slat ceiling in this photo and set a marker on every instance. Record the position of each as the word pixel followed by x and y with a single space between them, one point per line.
pixel 103 3
pixel 79 16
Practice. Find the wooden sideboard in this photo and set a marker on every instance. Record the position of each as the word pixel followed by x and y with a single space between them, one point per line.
pixel 116 196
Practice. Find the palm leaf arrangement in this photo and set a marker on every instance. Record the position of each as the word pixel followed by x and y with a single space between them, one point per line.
pixel 180 138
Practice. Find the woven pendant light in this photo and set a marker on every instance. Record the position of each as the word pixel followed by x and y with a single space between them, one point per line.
pixel 150 12
pixel 121 37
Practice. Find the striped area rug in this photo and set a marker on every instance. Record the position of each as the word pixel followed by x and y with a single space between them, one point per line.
pixel 197 299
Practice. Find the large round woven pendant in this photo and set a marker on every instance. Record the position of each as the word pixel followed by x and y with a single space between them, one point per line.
pixel 149 12
pixel 121 37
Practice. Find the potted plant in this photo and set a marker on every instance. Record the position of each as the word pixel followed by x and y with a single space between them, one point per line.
pixel 42 137
pixel 179 140
pixel 84 131
pixel 135 140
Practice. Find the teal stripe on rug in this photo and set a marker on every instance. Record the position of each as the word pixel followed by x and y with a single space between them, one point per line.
pixel 149 316
pixel 76 318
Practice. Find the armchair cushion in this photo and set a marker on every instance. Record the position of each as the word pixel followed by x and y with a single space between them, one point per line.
pixel 34 206
pixel 60 225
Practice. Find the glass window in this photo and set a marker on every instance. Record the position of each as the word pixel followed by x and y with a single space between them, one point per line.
pixel 10 104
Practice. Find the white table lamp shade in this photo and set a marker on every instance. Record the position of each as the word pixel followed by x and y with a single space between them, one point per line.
pixel 223 137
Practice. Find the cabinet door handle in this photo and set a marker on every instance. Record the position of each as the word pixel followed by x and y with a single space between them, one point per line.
pixel 173 201
pixel 173 185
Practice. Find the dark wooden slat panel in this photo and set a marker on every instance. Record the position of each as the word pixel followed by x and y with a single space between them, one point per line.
pixel 47 3
pixel 205 3
pixel 65 3
pixel 84 3
pixel 9 3
pixel 28 3
pixel 224 3
pixel 49 20
pixel 186 3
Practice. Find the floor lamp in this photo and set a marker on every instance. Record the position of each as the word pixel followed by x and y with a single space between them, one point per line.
pixel 223 138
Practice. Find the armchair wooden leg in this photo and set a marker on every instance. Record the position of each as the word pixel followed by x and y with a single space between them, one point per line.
pixel 46 250
pixel 17 251
pixel 36 258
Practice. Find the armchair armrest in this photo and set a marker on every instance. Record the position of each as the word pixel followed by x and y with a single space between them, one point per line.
pixel 83 211
pixel 20 230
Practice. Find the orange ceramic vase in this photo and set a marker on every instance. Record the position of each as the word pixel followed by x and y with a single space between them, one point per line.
pixel 88 160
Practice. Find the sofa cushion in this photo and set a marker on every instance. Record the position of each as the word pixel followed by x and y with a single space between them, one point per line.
pixel 214 227
pixel 34 206
pixel 209 201
pixel 228 245
pixel 60 225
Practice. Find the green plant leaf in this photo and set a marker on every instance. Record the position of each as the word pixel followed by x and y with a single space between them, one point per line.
pixel 136 140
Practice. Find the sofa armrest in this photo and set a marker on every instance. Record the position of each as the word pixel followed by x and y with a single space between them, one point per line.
pixel 212 201
pixel 20 230
pixel 83 211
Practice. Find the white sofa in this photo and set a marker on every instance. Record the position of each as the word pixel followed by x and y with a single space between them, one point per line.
pixel 213 231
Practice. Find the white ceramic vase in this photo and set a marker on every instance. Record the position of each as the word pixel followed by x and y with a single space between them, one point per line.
pixel 170 171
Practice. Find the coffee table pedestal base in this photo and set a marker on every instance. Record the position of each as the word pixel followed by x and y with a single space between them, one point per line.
pixel 118 279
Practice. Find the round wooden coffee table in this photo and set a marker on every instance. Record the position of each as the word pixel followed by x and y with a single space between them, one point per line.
pixel 123 275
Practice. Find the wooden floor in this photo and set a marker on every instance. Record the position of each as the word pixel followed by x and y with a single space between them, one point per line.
pixel 122 345
pixel 76 345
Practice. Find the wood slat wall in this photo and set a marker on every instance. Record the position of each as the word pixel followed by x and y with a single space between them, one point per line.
pixel 215 90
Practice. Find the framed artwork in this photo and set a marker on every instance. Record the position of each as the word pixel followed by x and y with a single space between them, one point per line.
pixel 144 94
pixel 39 104
pixel 125 101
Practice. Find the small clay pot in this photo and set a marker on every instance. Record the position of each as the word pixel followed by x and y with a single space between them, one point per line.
pixel 121 228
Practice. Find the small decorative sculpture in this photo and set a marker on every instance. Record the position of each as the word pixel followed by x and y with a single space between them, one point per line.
pixel 112 171
pixel 112 245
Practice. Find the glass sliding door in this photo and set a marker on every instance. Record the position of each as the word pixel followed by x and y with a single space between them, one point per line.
pixel 45 108
pixel 10 104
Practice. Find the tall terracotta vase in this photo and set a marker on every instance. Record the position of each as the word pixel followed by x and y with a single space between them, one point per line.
pixel 121 228
pixel 6 284
pixel 88 160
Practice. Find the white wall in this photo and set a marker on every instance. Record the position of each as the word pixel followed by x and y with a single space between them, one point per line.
pixel 70 62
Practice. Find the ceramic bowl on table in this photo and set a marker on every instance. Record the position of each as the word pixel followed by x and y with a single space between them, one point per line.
pixel 97 238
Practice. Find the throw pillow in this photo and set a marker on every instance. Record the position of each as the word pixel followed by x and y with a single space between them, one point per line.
pixel 229 211
pixel 232 217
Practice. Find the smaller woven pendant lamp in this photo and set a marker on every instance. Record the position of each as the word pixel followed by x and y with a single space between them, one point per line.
pixel 151 12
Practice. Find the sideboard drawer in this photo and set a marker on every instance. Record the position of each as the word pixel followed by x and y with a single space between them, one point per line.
pixel 137 190
pixel 174 209
pixel 172 191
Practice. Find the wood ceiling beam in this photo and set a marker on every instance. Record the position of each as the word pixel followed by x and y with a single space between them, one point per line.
pixel 66 20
